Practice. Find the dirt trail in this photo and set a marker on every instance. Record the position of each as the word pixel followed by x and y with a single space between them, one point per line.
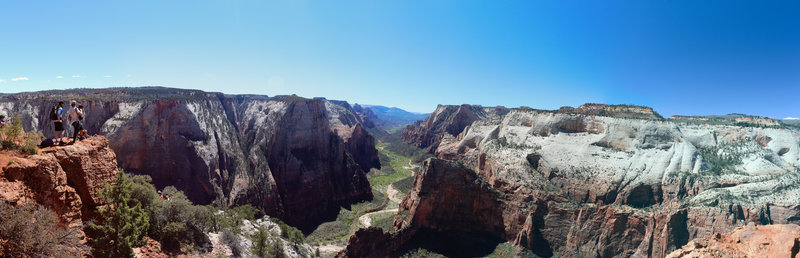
pixel 392 193
pixel 367 220
pixel 330 248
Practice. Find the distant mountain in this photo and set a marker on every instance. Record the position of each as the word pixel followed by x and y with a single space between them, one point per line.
pixel 793 121
pixel 388 118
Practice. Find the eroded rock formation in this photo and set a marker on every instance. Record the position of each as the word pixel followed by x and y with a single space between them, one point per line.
pixel 595 181
pixel 282 154
pixel 65 179
pixel 749 241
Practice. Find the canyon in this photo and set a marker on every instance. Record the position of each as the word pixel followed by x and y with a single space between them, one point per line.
pixel 294 158
pixel 594 181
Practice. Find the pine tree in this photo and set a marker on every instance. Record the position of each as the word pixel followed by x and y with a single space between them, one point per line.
pixel 275 249
pixel 260 242
pixel 124 222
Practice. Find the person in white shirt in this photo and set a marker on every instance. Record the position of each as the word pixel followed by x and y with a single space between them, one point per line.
pixel 73 116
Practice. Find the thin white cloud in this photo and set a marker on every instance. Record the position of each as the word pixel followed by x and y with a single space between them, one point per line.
pixel 59 77
pixel 78 76
pixel 2 81
pixel 792 118
pixel 19 79
pixel 107 76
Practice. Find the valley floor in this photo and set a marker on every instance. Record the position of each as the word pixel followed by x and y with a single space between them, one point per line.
pixel 389 185
pixel 388 190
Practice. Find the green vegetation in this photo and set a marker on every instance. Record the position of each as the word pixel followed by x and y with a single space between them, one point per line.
pixel 124 222
pixel 722 162
pixel 395 144
pixel 13 137
pixel 398 164
pixel 275 250
pixel 260 239
pixel 395 171
pixel 180 226
pixel 233 242
pixel 384 221
pixel 404 185
pixel 346 222
pixel 507 249
pixel 31 231
pixel 422 253
pixel 294 235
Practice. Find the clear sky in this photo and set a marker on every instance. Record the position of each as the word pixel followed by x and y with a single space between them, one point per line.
pixel 680 57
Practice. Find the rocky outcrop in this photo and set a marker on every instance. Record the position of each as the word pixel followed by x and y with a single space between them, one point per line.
pixel 731 119
pixel 233 149
pixel 595 184
pixel 749 241
pixel 313 174
pixel 65 179
pixel 366 114
pixel 621 111
pixel 445 120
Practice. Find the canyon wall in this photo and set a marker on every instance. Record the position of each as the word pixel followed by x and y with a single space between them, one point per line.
pixel 295 158
pixel 595 181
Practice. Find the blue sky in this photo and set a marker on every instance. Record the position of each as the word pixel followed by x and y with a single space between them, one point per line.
pixel 680 57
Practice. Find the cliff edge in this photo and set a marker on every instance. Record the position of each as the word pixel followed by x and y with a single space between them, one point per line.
pixel 64 179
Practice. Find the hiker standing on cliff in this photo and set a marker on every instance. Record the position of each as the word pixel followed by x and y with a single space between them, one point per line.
pixel 74 120
pixel 58 125
pixel 82 134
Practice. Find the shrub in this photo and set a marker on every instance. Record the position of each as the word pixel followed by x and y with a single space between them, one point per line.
pixel 124 223
pixel 260 239
pixel 246 211
pixel 143 191
pixel 232 241
pixel 294 235
pixel 275 250
pixel 15 138
pixel 30 231
pixel 176 222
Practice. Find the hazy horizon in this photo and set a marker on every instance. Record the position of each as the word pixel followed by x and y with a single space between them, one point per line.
pixel 681 57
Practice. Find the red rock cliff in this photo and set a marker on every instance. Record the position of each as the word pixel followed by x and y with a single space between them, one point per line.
pixel 595 185
pixel 65 179
pixel 282 154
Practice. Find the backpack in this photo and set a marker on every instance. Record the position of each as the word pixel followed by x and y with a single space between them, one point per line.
pixel 46 143
pixel 53 115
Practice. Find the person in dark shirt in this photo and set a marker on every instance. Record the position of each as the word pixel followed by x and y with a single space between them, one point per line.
pixel 58 124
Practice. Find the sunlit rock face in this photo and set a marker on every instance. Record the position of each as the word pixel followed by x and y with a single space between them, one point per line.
pixel 297 159
pixel 610 181
pixel 65 179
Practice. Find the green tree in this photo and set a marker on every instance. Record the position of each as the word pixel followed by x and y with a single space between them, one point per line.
pixel 176 222
pixel 123 222
pixel 260 239
pixel 275 249
pixel 294 235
